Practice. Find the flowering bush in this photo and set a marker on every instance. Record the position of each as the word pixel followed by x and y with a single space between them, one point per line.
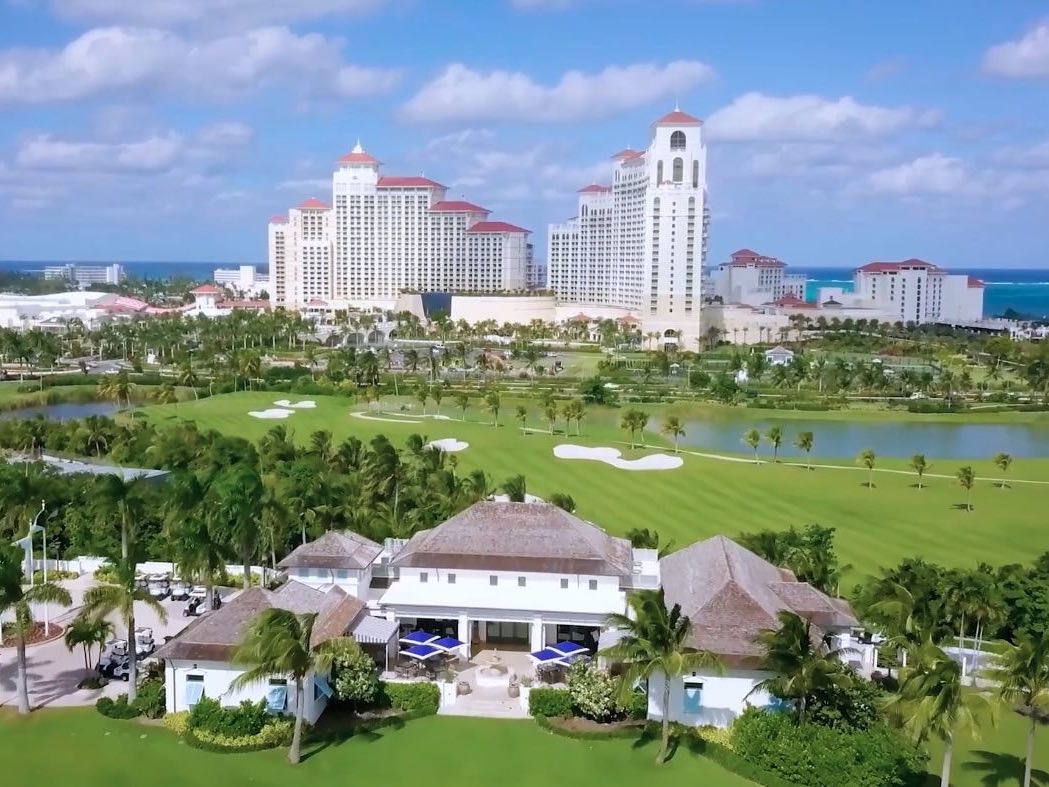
pixel 594 692
pixel 354 677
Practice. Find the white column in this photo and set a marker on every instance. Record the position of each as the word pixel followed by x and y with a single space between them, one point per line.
pixel 537 638
pixel 464 634
pixel 171 697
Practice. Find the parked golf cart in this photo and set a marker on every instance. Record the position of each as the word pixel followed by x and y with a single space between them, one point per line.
pixel 158 586
pixel 180 590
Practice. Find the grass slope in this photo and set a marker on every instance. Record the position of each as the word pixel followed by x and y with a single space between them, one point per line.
pixel 57 746
pixel 876 526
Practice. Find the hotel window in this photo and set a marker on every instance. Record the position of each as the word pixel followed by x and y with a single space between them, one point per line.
pixel 424 577
pixel 593 584
pixel 493 580
pixel 451 579
pixel 564 584
pixel 520 582
pixel 692 697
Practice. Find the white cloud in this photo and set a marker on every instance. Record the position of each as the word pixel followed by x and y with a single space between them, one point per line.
pixel 209 12
pixel 128 59
pixel 156 153
pixel 934 174
pixel 756 117
pixel 1028 56
pixel 462 94
pixel 1031 156
pixel 813 160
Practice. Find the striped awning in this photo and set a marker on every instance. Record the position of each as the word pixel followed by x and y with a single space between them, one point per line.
pixel 375 631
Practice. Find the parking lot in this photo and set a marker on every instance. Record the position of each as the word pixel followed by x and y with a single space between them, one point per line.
pixel 54 671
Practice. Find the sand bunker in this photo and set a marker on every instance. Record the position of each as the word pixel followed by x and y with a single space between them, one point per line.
pixel 397 418
pixel 305 404
pixel 272 413
pixel 614 457
pixel 449 444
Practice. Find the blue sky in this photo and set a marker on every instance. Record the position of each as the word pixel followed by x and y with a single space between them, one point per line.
pixel 839 131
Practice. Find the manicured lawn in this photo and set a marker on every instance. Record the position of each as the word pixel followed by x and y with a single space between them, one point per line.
pixel 83 748
pixel 876 526
pixel 996 759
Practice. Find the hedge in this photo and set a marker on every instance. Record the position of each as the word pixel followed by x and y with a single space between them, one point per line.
pixel 549 702
pixel 276 733
pixel 413 698
pixel 118 709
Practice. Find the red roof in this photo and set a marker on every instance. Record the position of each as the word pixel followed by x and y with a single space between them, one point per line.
pixel 793 301
pixel 358 158
pixel 595 188
pixel 629 319
pixel 582 316
pixel 279 220
pixel 632 155
pixel 884 267
pixel 744 253
pixel 313 204
pixel 974 282
pixel 678 118
pixel 206 289
pixel 496 226
pixel 625 153
pixel 407 181
pixel 458 206
pixel 316 302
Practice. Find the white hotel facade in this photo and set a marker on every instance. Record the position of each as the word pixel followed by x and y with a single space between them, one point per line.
pixel 918 291
pixel 383 235
pixel 640 242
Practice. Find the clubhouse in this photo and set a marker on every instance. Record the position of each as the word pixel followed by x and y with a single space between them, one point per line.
pixel 515 578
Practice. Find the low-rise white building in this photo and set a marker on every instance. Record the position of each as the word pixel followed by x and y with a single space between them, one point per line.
pixel 244 280
pixel 754 279
pixel 918 291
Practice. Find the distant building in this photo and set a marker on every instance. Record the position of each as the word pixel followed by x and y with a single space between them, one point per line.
pixel 753 279
pixel 917 291
pixel 779 356
pixel 86 275
pixel 243 279
pixel 639 243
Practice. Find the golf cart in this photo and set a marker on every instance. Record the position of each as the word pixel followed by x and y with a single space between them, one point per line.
pixel 158 586
pixel 180 590
pixel 115 668
pixel 196 602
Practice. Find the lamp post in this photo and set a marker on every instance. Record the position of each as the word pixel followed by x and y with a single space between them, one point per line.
pixel 33 528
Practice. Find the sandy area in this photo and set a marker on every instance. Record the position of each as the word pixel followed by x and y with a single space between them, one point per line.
pixel 397 418
pixel 272 413
pixel 449 444
pixel 614 457
pixel 305 404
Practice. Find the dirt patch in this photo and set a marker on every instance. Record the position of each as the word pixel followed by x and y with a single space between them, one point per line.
pixel 36 635
pixel 580 724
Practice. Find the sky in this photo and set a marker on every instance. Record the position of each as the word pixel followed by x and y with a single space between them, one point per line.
pixel 838 131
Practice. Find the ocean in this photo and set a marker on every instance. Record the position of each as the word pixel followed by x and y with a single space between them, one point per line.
pixel 1025 290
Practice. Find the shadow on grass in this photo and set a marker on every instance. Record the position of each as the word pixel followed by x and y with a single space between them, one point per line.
pixel 962 507
pixel 998 769
pixel 344 726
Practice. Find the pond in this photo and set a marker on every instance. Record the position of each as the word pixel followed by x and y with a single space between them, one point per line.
pixel 844 439
pixel 62 412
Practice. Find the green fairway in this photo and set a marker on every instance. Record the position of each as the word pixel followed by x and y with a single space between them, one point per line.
pixel 83 748
pixel 996 759
pixel 706 496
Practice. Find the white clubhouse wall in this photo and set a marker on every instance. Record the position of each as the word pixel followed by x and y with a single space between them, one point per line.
pixel 724 697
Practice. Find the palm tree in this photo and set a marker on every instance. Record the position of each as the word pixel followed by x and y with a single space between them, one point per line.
pixel 932 703
pixel 919 466
pixel 516 488
pixel 804 441
pixel 775 438
pixel 655 643
pixel 188 378
pixel 800 662
pixel 629 423
pixel 437 394
pixel 521 414
pixel 966 479
pixel 1022 674
pixel 574 411
pixel 279 643
pixel 196 548
pixel 491 404
pixel 867 458
pixel 1002 462
pixel 423 395
pixel 17 599
pixel 463 401
pixel 672 426
pixel 166 394
pixel 86 633
pixel 100 601
pixel 234 505
pixel 550 412
pixel 116 387
pixel 752 437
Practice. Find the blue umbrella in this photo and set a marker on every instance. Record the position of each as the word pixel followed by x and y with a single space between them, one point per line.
pixel 447 644
pixel 419 638
pixel 568 649
pixel 546 656
pixel 421 652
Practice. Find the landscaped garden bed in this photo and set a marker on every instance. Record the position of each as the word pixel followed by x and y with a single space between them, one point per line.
pixel 36 635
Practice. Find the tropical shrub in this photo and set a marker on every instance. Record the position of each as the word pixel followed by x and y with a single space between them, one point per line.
pixel 853 705
pixel 637 707
pixel 416 699
pixel 247 719
pixel 118 708
pixel 817 756
pixel 354 677
pixel 549 702
pixel 152 699
pixel 593 692
pixel 177 722
pixel 276 732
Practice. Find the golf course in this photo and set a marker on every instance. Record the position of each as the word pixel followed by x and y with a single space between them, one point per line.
pixel 709 493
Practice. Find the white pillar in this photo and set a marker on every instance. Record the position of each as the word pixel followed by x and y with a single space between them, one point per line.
pixel 464 634
pixel 537 639
pixel 171 697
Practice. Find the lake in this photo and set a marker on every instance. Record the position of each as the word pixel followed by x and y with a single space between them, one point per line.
pixel 844 439
pixel 62 412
